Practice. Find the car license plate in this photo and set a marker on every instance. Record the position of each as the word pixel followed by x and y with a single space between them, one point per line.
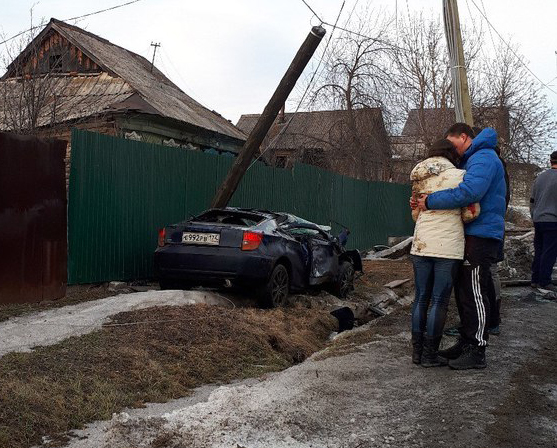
pixel 206 239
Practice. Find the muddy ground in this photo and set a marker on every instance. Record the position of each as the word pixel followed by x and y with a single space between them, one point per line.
pixel 364 392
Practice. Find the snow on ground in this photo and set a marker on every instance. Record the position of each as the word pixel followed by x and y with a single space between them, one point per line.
pixel 22 333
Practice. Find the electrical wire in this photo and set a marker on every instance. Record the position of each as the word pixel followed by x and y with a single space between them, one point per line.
pixel 283 130
pixel 72 18
pixel 511 48
pixel 312 11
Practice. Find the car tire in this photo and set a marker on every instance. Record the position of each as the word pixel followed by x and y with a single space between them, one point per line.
pixel 275 291
pixel 345 281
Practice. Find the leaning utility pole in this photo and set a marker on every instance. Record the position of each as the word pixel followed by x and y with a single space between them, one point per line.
pixel 256 136
pixel 463 105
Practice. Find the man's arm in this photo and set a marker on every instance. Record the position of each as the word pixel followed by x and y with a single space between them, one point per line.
pixel 472 189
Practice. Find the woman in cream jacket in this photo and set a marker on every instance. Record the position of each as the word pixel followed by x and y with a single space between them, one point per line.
pixel 437 250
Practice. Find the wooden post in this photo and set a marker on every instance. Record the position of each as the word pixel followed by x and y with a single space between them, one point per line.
pixel 255 138
pixel 463 108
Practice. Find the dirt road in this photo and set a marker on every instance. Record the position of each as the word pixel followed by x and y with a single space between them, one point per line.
pixel 368 394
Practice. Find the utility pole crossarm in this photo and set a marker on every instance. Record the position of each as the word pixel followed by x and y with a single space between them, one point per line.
pixel 265 121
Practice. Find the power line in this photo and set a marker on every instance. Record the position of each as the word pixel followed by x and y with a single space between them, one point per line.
pixel 511 48
pixel 72 18
pixel 313 11
pixel 283 130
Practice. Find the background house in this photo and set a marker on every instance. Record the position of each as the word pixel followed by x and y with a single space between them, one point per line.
pixel 68 77
pixel 353 143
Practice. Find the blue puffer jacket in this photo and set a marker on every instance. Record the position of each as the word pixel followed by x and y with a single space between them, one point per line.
pixel 484 182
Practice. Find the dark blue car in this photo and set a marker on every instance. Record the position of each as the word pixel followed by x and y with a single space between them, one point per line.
pixel 271 253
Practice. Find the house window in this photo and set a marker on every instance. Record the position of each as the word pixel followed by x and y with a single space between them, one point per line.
pixel 281 161
pixel 55 63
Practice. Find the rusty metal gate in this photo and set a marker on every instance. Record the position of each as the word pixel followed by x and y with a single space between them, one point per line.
pixel 33 241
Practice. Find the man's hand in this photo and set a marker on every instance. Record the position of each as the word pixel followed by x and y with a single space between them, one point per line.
pixel 413 203
pixel 422 202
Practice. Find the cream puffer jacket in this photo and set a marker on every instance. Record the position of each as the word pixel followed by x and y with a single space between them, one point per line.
pixel 438 233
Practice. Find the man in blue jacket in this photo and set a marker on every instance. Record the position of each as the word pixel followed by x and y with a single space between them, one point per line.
pixel 484 182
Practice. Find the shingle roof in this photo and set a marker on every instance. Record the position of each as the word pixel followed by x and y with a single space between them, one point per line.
pixel 319 129
pixel 71 98
pixel 154 87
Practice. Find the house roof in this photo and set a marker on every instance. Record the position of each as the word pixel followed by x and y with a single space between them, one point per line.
pixel 433 123
pixel 71 98
pixel 131 73
pixel 317 129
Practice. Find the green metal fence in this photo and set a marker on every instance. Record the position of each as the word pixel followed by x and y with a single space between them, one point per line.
pixel 121 192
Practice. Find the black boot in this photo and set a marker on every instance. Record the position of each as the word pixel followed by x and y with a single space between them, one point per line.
pixel 417 347
pixel 454 351
pixel 473 357
pixel 430 355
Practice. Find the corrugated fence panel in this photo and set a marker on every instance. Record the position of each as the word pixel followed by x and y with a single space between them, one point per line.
pixel 122 192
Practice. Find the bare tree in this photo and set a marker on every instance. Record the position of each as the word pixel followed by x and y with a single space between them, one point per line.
pixel 37 90
pixel 505 83
pixel 354 77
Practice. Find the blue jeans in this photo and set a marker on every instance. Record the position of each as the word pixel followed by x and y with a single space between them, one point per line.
pixel 434 278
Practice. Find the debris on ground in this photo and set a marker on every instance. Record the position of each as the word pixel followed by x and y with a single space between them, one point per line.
pixel 397 251
pixel 396 283
pixel 519 254
pixel 519 216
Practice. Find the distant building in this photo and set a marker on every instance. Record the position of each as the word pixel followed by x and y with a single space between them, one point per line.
pixel 424 126
pixel 353 143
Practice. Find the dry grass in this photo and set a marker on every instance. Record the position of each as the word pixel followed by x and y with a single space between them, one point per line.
pixel 55 389
pixel 74 294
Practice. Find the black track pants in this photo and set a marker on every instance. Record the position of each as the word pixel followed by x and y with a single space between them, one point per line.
pixel 472 288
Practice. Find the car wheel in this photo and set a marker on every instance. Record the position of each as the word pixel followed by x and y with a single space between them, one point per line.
pixel 275 291
pixel 345 282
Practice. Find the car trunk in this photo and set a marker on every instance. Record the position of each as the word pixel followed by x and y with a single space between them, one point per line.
pixel 219 228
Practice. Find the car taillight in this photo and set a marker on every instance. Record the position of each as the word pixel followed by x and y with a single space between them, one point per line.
pixel 251 240
pixel 162 237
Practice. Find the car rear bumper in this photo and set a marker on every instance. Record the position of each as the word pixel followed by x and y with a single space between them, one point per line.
pixel 207 265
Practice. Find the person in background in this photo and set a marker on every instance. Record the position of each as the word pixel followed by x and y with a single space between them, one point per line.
pixel 437 251
pixel 543 209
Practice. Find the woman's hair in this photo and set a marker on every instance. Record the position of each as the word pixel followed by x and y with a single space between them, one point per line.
pixel 444 148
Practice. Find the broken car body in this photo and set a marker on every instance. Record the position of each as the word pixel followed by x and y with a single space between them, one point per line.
pixel 273 253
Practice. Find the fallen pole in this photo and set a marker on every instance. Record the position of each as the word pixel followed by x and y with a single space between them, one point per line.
pixel 255 138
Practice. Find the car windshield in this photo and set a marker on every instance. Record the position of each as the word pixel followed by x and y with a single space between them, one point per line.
pixel 230 217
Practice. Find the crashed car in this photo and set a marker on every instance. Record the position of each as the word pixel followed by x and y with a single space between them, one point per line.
pixel 271 253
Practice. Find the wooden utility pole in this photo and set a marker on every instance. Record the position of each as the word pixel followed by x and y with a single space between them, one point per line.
pixel 463 105
pixel 156 45
pixel 255 138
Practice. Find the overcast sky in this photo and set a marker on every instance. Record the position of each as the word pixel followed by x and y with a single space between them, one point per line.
pixel 230 54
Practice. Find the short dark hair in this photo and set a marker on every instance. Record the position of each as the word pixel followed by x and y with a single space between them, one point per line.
pixel 444 148
pixel 460 128
pixel 553 157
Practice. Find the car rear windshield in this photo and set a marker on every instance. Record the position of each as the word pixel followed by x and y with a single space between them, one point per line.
pixel 230 217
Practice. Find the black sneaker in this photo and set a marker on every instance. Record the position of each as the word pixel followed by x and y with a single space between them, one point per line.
pixel 452 331
pixel 495 331
pixel 454 351
pixel 473 357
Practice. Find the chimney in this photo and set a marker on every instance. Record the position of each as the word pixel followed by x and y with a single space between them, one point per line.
pixel 281 117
